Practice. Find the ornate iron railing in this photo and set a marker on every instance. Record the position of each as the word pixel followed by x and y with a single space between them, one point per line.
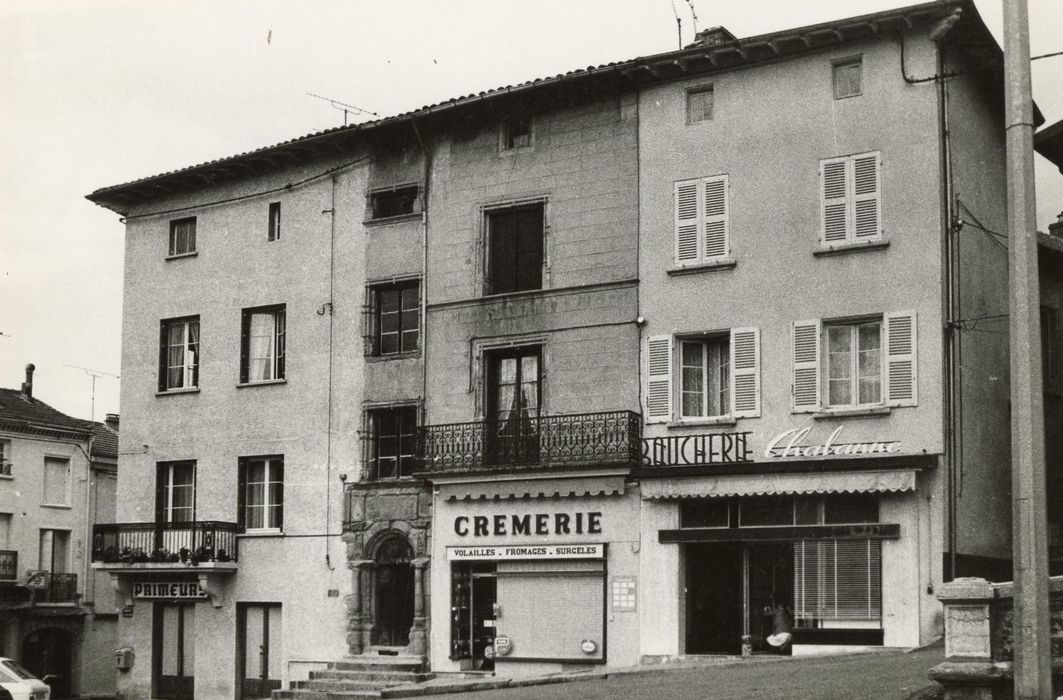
pixel 61 588
pixel 579 439
pixel 165 543
pixel 8 565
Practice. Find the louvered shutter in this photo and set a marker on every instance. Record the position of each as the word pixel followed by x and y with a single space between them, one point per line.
pixel 867 218
pixel 834 200
pixel 745 372
pixel 659 379
pixel 901 347
pixel 241 494
pixel 717 225
pixel 806 366
pixel 687 222
pixel 245 346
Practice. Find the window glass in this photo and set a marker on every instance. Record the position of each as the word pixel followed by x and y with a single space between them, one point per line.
pixel 396 318
pixel 705 377
pixel 392 442
pixel 854 364
pixel 274 221
pixel 699 105
pixel 851 508
pixel 183 236
pixel 705 512
pixel 264 341
pixel 515 249
pixel 517 133
pixel 759 511
pixel 847 78
pixel 180 366
pixel 263 492
pixel 393 202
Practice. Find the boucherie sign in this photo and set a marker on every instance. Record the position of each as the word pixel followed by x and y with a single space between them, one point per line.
pixel 796 443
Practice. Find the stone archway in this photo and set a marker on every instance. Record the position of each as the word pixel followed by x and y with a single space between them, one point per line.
pixel 391 591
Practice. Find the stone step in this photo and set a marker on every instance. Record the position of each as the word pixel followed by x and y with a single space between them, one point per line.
pixel 334 686
pixel 410 664
pixel 325 695
pixel 382 675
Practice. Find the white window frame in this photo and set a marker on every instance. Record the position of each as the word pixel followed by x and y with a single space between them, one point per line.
pixel 190 356
pixel 168 507
pixel 272 512
pixel 722 370
pixel 276 357
pixel 702 226
pixel 854 350
pixel 850 198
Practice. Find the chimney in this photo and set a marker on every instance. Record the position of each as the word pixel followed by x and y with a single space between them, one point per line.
pixel 111 421
pixel 27 386
pixel 711 38
pixel 1056 227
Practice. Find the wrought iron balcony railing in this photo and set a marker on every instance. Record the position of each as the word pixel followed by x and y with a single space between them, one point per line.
pixel 8 565
pixel 60 588
pixel 164 543
pixel 582 439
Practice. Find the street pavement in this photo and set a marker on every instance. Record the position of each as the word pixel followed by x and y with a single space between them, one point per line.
pixel 878 676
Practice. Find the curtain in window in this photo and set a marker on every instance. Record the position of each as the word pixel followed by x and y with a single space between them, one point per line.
pixel 262 347
pixel 175 361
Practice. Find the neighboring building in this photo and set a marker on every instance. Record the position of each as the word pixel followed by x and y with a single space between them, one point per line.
pixel 57 479
pixel 446 324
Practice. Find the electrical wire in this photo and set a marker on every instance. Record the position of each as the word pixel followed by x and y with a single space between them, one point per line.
pixel 1046 55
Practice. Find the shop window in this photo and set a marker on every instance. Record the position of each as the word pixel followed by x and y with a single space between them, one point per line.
pixel 391 442
pixel 847 77
pixel 837 582
pixel 850 508
pixel 56 481
pixel 514 249
pixel 183 236
pixel 705 512
pixel 394 201
pixel 699 104
pixel 179 354
pixel 473 597
pixel 261 493
pixel 263 340
pixel 702 220
pixel 864 363
pixel 274 225
pixel 393 318
pixel 766 511
pixel 516 134
pixel 850 199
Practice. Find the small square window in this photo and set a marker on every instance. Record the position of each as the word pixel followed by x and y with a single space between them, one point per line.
pixel 263 340
pixel 183 236
pixel 699 105
pixel 848 78
pixel 274 231
pixel 395 201
pixel 517 134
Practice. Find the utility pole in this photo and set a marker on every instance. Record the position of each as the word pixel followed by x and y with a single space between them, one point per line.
pixel 1033 663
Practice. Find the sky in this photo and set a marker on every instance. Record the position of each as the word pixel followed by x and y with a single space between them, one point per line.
pixel 100 92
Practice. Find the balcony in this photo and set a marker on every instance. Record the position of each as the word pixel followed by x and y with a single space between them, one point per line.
pixel 57 589
pixel 8 565
pixel 566 441
pixel 194 545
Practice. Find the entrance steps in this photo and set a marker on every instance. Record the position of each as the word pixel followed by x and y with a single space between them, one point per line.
pixel 358 677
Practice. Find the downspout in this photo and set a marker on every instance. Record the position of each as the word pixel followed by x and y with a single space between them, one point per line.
pixel 331 211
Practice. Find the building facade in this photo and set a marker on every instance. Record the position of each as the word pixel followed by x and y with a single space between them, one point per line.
pixel 622 364
pixel 57 479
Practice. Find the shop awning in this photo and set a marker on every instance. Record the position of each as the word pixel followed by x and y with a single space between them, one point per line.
pixel 769 484
pixel 533 488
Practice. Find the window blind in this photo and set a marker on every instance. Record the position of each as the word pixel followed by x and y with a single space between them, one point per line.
pixel 837 580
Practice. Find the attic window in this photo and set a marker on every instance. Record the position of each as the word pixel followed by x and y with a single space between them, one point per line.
pixel 394 201
pixel 699 104
pixel 517 134
pixel 848 78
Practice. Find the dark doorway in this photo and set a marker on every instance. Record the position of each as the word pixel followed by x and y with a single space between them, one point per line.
pixel 714 598
pixel 393 592
pixel 513 402
pixel 258 659
pixel 173 650
pixel 771 584
pixel 484 597
pixel 46 654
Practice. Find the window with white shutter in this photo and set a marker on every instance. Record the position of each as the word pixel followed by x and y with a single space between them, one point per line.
pixel 702 220
pixel 850 199
pixel 745 372
pixel 806 366
pixel 659 379
pixel 901 347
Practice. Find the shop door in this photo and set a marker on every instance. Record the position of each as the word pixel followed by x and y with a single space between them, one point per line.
pixel 771 592
pixel 46 654
pixel 714 598
pixel 173 651
pixel 258 649
pixel 484 598
pixel 513 401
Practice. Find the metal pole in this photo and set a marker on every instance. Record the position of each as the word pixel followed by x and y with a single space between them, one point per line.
pixel 1033 669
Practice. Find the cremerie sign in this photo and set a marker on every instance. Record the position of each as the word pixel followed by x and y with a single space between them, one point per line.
pixel 529 524
pixel 168 590
pixel 527 551
pixel 792 444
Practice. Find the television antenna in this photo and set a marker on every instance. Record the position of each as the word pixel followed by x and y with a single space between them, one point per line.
pixel 95 374
pixel 344 107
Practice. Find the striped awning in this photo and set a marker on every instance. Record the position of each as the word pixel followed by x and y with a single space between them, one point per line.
pixel 533 488
pixel 771 484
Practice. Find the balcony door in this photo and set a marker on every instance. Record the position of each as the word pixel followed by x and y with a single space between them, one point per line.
pixel 514 398
pixel 175 506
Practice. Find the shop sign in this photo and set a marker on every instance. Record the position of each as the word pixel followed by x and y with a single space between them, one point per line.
pixel 691 450
pixel 169 590
pixel 530 551
pixel 503 645
pixel 791 444
pixel 529 524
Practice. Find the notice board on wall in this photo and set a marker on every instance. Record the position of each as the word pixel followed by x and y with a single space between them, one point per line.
pixel 552 609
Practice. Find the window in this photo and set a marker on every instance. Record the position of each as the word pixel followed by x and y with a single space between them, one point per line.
pixel 718 375
pixel 705 512
pixel 516 134
pixel 5 458
pixel 850 199
pixel 394 318
pixel 175 492
pixel 54 552
pixel 837 580
pixel 513 402
pixel 274 228
pixel 847 77
pixel 173 647
pixel 394 201
pixel 866 362
pixel 699 105
pixel 183 236
pixel 391 442
pixel 179 354
pixel 705 377
pixel 702 227
pixel 56 481
pixel 1050 362
pixel 854 364
pixel 515 249
pixel 262 346
pixel 261 493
